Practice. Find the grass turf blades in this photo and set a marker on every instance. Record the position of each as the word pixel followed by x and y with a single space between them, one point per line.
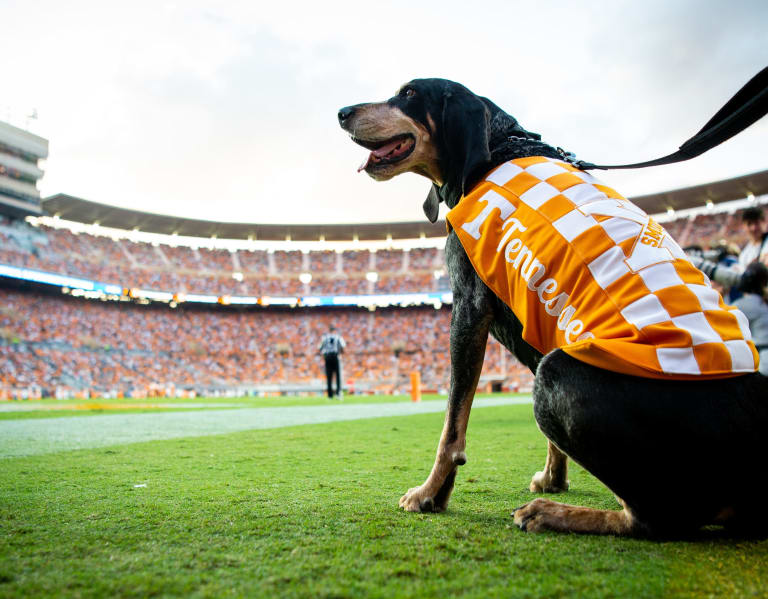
pixel 311 511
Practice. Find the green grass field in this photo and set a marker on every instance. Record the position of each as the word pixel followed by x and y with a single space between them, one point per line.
pixel 311 511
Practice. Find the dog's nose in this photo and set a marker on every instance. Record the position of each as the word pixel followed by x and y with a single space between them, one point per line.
pixel 345 113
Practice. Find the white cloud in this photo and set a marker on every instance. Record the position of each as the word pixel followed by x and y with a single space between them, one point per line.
pixel 228 112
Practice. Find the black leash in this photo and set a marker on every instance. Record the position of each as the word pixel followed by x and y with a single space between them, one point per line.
pixel 748 105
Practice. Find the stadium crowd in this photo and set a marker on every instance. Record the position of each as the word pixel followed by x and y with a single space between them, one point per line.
pixel 161 267
pixel 182 269
pixel 65 344
pixel 53 344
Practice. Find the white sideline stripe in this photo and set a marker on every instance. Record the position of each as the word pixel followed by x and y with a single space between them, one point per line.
pixel 34 406
pixel 51 435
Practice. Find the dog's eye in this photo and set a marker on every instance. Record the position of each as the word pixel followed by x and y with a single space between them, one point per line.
pixel 409 92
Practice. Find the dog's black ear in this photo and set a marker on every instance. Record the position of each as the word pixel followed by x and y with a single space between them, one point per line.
pixel 465 131
pixel 432 203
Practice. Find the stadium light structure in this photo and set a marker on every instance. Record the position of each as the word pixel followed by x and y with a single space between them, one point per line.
pixel 200 298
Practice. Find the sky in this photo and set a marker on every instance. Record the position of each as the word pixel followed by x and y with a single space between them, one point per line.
pixel 227 111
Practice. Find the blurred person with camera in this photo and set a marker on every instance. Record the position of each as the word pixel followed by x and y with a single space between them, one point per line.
pixel 753 305
pixel 757 247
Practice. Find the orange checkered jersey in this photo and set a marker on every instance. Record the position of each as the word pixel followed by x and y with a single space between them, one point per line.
pixel 587 271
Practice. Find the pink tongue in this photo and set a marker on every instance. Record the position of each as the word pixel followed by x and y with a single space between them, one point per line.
pixel 384 150
pixel 364 165
pixel 379 153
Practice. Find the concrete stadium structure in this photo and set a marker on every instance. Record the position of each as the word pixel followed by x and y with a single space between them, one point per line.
pixel 88 212
pixel 20 152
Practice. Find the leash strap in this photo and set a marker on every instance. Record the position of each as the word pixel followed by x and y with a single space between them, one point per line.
pixel 748 105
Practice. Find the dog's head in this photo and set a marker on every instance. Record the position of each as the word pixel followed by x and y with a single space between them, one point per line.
pixel 433 127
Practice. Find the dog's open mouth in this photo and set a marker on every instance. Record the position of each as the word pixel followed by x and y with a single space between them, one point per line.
pixel 386 152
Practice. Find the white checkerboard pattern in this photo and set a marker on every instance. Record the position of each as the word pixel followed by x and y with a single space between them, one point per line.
pixel 665 290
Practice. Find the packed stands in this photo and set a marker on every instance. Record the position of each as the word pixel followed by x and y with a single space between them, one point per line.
pixel 288 262
pixel 389 261
pixel 65 346
pixel 356 261
pixel 324 262
pixel 163 267
pixel 253 261
pixel 424 259
pixel 55 344
pixel 708 229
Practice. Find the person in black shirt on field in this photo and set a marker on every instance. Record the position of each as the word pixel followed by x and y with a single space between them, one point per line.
pixel 331 346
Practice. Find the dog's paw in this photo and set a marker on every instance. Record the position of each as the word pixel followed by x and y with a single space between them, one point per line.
pixel 535 515
pixel 543 483
pixel 416 500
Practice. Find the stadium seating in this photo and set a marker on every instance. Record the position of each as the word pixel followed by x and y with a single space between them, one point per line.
pixel 56 344
pixel 163 267
pixel 65 346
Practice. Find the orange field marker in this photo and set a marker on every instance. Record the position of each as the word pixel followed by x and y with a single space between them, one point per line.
pixel 415 386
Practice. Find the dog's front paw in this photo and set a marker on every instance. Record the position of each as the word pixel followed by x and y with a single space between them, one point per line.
pixel 535 515
pixel 417 500
pixel 425 498
pixel 542 483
